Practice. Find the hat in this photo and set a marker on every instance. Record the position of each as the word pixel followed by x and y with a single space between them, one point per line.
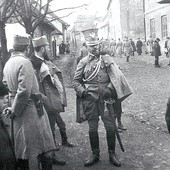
pixel 40 41
pixel 157 39
pixel 91 36
pixel 20 40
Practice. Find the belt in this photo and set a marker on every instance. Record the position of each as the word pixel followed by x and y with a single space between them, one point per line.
pixel 96 83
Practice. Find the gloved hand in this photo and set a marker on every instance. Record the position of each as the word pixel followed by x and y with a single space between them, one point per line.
pixel 106 94
pixel 86 95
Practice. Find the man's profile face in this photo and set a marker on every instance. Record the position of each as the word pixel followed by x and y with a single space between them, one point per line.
pixel 47 52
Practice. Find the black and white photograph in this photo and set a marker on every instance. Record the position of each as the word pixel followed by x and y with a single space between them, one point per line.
pixel 84 84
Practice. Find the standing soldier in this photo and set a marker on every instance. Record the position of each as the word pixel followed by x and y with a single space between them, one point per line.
pixel 119 49
pixel 156 52
pixel 139 46
pixel 127 48
pixel 33 138
pixel 96 79
pixel 133 46
pixel 112 47
pixel 150 42
pixel 62 48
pixel 67 47
pixel 51 85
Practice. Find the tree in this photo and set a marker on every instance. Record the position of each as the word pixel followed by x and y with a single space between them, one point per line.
pixel 30 13
pixel 7 8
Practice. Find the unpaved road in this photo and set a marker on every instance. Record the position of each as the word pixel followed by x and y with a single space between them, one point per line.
pixel 146 140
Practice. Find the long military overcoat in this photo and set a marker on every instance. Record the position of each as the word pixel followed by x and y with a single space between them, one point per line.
pixel 117 78
pixel 47 87
pixel 32 133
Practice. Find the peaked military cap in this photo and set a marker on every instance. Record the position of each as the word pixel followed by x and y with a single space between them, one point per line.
pixel 91 36
pixel 40 41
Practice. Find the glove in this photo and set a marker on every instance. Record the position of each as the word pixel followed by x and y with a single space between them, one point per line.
pixel 106 94
pixel 86 96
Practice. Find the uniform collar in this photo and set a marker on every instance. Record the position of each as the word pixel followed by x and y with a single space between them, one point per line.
pixel 39 57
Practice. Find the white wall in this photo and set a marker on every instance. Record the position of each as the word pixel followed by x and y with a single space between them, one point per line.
pixel 114 20
pixel 11 30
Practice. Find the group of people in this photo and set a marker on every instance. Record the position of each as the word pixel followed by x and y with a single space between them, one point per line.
pixel 36 96
pixel 64 48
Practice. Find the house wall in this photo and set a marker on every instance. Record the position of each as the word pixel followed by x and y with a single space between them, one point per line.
pixel 154 10
pixel 115 20
pixel 126 19
pixel 132 18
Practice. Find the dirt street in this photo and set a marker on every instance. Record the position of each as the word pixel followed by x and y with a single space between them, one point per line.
pixel 146 140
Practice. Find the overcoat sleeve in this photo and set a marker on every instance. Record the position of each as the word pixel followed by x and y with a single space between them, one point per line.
pixel 118 80
pixel 25 79
pixel 78 77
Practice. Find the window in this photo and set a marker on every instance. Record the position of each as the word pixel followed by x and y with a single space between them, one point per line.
pixel 164 26
pixel 152 28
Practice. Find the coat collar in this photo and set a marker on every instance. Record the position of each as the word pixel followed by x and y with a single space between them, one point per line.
pixel 18 54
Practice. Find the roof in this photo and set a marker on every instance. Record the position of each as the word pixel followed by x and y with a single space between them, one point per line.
pixel 57 18
pixel 163 1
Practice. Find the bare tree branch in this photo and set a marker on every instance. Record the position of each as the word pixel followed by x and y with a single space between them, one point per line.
pixel 20 21
pixel 42 16
pixel 2 4
pixel 55 18
pixel 13 9
pixel 69 8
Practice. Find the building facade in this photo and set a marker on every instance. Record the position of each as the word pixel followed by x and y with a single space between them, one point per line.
pixel 157 18
pixel 124 18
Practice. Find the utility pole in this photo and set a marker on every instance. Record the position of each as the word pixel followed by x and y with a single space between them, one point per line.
pixel 144 22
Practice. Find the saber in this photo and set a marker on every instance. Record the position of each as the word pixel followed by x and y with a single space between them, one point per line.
pixel 109 104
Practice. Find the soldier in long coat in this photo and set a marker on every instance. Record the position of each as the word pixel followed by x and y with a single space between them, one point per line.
pixel 127 48
pixel 51 85
pixel 96 79
pixel 156 52
pixel 139 46
pixel 33 138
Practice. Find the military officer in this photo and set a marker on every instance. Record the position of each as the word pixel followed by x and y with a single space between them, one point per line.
pixel 97 78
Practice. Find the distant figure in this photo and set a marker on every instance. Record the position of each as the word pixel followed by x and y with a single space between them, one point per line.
pixel 139 46
pixel 67 47
pixel 166 46
pixel 150 43
pixel 105 46
pixel 133 46
pixel 156 52
pixel 127 48
pixel 119 46
pixel 62 48
pixel 112 47
pixel 83 52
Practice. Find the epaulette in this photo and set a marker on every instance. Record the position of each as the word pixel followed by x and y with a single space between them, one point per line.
pixel 108 60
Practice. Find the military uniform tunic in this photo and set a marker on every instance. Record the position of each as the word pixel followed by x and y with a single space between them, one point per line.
pixel 93 106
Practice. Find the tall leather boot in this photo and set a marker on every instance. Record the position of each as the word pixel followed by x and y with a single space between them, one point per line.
pixel 94 142
pixel 23 164
pixel 64 139
pixel 46 163
pixel 58 160
pixel 111 142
